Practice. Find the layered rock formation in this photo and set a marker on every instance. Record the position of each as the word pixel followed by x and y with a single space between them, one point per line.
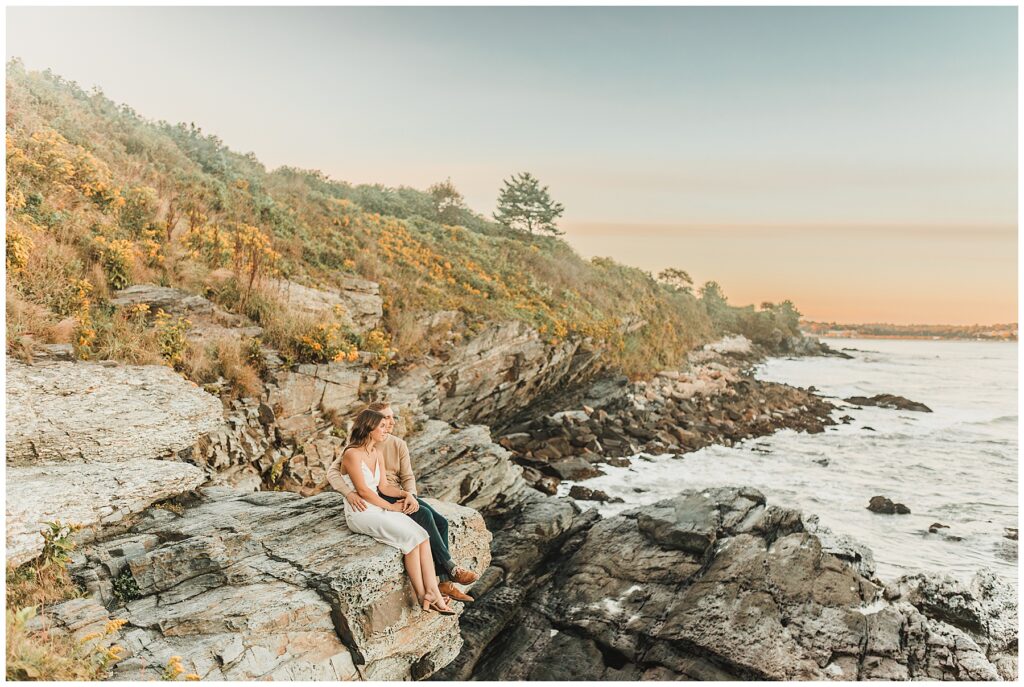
pixel 289 436
pixel 102 412
pixel 270 585
pixel 208 321
pixel 720 585
pixel 497 373
pixel 356 301
pixel 84 442
pixel 463 465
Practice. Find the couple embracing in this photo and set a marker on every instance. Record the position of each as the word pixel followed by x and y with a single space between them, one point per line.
pixel 374 473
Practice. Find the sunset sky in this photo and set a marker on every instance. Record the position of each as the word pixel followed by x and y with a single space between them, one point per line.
pixel 859 161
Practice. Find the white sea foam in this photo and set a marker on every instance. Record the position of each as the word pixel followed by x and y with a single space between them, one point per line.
pixel 956 465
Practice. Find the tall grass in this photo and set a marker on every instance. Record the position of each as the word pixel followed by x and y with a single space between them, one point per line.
pixel 109 198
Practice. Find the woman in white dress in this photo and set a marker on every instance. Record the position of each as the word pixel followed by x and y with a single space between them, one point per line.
pixel 385 521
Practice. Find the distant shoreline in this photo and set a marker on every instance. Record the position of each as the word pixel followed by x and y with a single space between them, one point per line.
pixel 908 337
pixel 918 332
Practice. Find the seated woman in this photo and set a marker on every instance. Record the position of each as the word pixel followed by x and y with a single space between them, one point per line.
pixel 385 521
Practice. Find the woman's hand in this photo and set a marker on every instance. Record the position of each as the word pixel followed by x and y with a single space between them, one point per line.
pixel 356 500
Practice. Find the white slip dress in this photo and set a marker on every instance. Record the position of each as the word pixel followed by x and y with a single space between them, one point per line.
pixel 386 526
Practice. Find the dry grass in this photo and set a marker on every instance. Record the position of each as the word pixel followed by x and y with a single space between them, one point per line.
pixel 28 324
pixel 38 654
pixel 182 271
pixel 98 279
pixel 126 336
pixel 33 585
pixel 42 656
pixel 199 366
pixel 368 266
pixel 49 275
pixel 318 227
pixel 408 331
pixel 234 367
pixel 225 357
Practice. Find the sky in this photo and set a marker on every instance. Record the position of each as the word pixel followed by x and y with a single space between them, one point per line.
pixel 860 161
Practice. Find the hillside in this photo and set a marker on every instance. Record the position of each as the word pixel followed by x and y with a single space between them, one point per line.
pixel 99 198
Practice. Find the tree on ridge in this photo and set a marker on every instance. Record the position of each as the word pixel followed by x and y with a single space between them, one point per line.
pixel 524 204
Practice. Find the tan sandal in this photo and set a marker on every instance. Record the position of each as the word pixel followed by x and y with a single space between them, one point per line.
pixel 431 605
pixel 443 611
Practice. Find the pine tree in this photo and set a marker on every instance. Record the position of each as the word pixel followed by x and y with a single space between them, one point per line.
pixel 524 204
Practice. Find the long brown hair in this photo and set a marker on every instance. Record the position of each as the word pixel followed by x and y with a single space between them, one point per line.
pixel 366 421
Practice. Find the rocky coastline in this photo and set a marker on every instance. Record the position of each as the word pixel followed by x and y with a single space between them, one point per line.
pixel 245 569
pixel 716 400
pixel 722 585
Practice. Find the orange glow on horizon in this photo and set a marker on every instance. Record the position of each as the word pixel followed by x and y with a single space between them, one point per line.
pixel 843 274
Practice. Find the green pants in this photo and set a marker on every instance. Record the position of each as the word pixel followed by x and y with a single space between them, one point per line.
pixel 437 528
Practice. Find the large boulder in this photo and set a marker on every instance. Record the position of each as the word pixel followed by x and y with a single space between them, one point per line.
pixel 463 465
pixel 498 372
pixel 170 300
pixel 83 441
pixel 91 494
pixel 357 302
pixel 100 412
pixel 270 585
pixel 717 584
pixel 985 608
pixel 208 321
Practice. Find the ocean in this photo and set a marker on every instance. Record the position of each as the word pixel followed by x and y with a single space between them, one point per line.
pixel 956 466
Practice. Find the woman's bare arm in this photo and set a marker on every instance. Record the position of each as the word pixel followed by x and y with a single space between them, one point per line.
pixel 354 469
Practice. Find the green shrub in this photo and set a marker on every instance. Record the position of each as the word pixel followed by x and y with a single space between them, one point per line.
pixel 125 587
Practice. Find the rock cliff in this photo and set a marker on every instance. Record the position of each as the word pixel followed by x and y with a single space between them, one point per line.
pixel 270 585
pixel 248 584
pixel 84 443
pixel 721 585
pixel 498 372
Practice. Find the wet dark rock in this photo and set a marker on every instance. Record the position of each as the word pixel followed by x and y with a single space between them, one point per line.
pixel 547 484
pixel 882 504
pixel 936 526
pixel 986 608
pixel 574 469
pixel 1011 533
pixel 581 493
pixel 714 401
pixel 889 401
pixel 720 585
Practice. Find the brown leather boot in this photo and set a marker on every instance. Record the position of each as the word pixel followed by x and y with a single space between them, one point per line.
pixel 463 576
pixel 449 589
